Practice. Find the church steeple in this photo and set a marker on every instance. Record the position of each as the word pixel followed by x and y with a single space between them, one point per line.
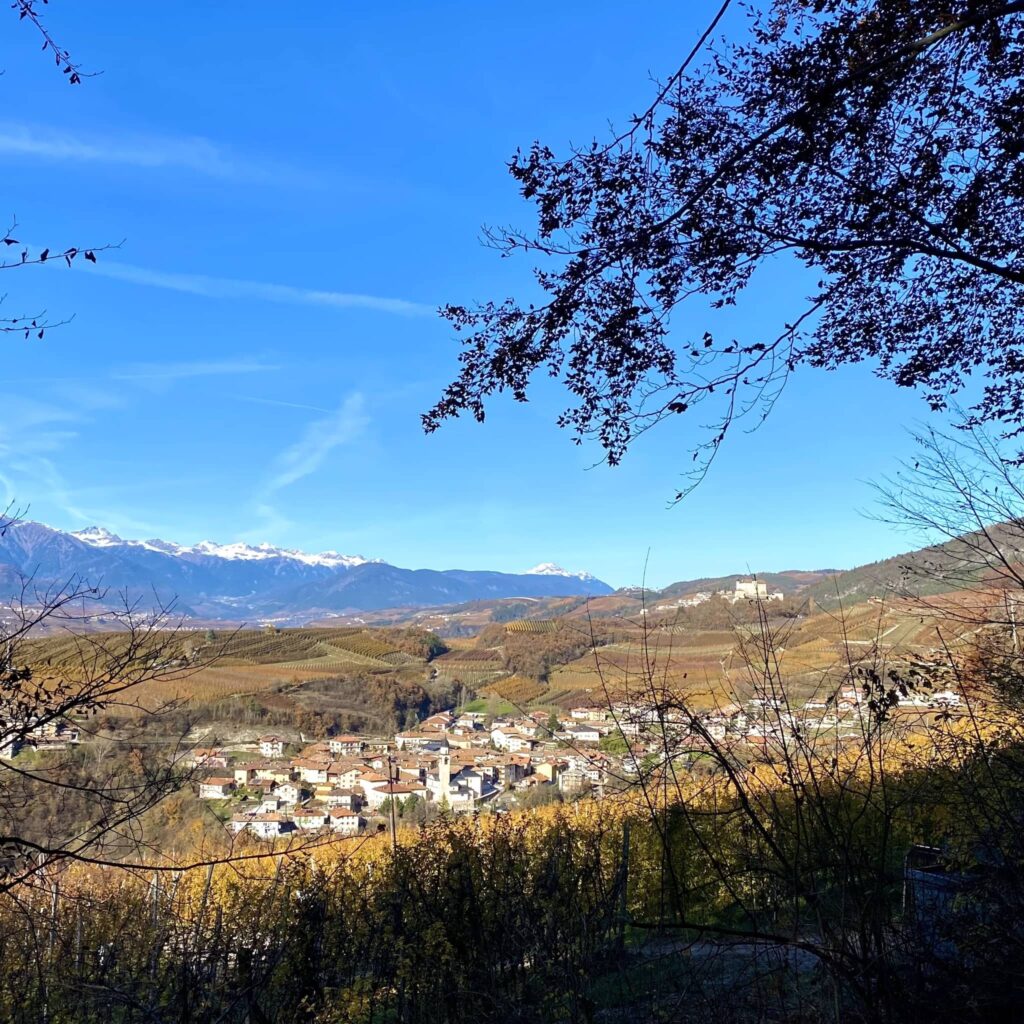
pixel 444 776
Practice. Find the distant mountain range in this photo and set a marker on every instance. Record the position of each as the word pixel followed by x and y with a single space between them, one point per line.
pixel 242 582
pixel 260 583
pixel 937 569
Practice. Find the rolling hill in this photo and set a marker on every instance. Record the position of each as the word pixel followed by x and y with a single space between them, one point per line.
pixel 936 569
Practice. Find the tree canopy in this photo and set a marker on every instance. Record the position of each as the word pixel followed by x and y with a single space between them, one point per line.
pixel 880 143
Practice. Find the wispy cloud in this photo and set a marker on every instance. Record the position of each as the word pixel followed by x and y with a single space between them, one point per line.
pixel 169 372
pixel 192 153
pixel 33 433
pixel 233 288
pixel 280 403
pixel 31 427
pixel 321 437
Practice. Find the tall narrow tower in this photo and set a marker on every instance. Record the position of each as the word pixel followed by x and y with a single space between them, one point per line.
pixel 444 777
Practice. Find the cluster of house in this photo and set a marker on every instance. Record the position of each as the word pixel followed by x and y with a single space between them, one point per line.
pixel 765 719
pixel 463 762
pixel 744 590
pixel 451 762
pixel 38 733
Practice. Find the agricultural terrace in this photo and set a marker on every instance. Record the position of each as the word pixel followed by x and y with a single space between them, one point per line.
pixel 211 665
pixel 538 663
pixel 709 666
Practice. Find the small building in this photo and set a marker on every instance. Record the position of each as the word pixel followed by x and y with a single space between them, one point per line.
pixel 216 787
pixel 310 818
pixel 369 781
pixel 274 771
pixel 344 776
pixel 588 714
pixel 347 799
pixel 271 746
pixel 512 740
pixel 583 733
pixel 571 781
pixel 310 770
pixel 440 722
pixel 462 739
pixel 716 728
pixel 418 740
pixel 346 745
pixel 396 790
pixel 344 821
pixel 289 792
pixel 209 757
pixel 532 782
pixel 549 770
pixel 263 824
pixel 512 770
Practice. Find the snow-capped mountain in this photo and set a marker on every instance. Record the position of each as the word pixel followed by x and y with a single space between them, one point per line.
pixel 250 582
pixel 98 537
pixel 552 569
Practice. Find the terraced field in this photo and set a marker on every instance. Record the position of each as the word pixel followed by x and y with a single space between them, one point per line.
pixel 531 626
pixel 710 666
pixel 303 645
pixel 517 690
pixel 704 664
pixel 475 667
pixel 620 664
pixel 207 666
pixel 562 697
pixel 209 685
pixel 461 643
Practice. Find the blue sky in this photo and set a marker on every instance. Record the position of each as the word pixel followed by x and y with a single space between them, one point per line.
pixel 298 188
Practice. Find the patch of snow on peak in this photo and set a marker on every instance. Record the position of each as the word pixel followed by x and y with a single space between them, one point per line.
pixel 330 559
pixel 164 546
pixel 98 537
pixel 552 569
pixel 233 552
pixel 249 552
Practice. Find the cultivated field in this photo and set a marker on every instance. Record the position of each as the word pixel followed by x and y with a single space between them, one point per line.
pixel 716 666
pixel 209 666
pixel 707 665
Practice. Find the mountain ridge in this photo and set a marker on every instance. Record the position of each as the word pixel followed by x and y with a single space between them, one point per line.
pixel 98 536
pixel 262 583
pixel 259 582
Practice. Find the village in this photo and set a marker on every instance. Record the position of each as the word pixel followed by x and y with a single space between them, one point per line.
pixel 464 761
pixel 461 762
